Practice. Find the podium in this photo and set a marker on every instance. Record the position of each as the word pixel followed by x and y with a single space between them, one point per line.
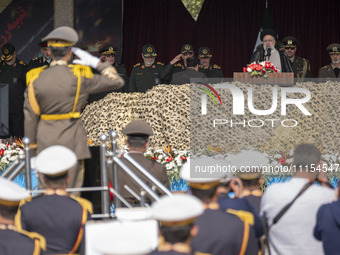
pixel 281 79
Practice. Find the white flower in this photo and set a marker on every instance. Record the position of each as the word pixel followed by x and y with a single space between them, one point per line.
pixel 249 70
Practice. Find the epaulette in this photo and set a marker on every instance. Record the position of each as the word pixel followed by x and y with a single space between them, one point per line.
pixel 36 58
pixel 160 63
pixel 324 67
pixel 216 67
pixel 33 74
pixel 84 203
pixel 81 70
pixel 178 65
pixel 38 239
pixel 138 64
pixel 22 63
pixel 200 66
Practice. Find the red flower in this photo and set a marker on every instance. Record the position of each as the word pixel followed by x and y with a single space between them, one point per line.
pixel 244 69
pixel 259 67
pixel 2 152
pixel 169 159
pixel 154 158
pixel 263 71
pixel 183 158
pixel 282 161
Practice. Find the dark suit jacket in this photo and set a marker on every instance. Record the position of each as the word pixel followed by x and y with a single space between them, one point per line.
pixel 184 77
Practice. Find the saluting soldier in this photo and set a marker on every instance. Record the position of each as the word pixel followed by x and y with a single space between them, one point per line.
pixel 44 60
pixel 12 239
pixel 147 74
pixel 219 232
pixel 109 54
pixel 52 113
pixel 300 66
pixel 12 72
pixel 55 215
pixel 176 216
pixel 138 132
pixel 187 51
pixel 332 70
pixel 209 69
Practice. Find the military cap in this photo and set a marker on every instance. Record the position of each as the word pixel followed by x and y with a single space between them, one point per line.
pixel 61 37
pixel 11 193
pixel 7 52
pixel 204 52
pixel 333 48
pixel 43 44
pixel 268 31
pixel 177 210
pixel 138 127
pixel 290 41
pixel 203 183
pixel 55 160
pixel 187 48
pixel 149 51
pixel 124 238
pixel 249 164
pixel 108 49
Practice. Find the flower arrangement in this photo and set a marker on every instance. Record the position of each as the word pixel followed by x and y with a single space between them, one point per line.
pixel 260 69
pixel 9 151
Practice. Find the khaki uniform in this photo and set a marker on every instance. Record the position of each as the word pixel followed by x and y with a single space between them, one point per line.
pixel 301 68
pixel 52 92
pixel 327 72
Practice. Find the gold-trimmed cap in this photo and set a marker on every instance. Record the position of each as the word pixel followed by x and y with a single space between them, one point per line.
pixel 177 210
pixel 187 48
pixel 204 52
pixel 61 37
pixel 7 52
pixel 11 193
pixel 55 160
pixel 138 127
pixel 290 41
pixel 333 48
pixel 149 51
pixel 108 49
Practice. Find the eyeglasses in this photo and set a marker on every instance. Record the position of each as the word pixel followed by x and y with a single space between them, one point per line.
pixel 290 48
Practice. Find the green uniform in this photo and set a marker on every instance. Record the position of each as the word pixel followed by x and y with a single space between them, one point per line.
pixel 169 70
pixel 213 71
pixel 144 78
pixel 301 68
pixel 327 72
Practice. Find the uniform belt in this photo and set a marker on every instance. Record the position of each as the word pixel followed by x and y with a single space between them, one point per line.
pixel 65 116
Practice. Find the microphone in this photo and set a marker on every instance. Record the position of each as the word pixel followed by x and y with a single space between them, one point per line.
pixel 269 51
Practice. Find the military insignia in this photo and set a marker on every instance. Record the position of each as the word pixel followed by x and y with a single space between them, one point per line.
pixel 22 63
pixel 15 80
pixel 205 51
pixel 149 49
pixel 289 42
pixel 160 63
pixel 110 49
pixel 335 48
pixel 6 51
pixel 178 65
pixel 138 64
pixel 216 67
pixel 187 47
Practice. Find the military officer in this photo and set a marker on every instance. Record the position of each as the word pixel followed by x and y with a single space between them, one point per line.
pixel 12 72
pixel 176 216
pixel 12 239
pixel 187 51
pixel 52 113
pixel 332 70
pixel 209 69
pixel 55 215
pixel 147 74
pixel 191 74
pixel 300 66
pixel 219 232
pixel 44 60
pixel 138 132
pixel 108 53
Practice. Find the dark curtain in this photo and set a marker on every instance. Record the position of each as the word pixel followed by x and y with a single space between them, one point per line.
pixel 229 28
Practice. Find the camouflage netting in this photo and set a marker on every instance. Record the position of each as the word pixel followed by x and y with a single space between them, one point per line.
pixel 167 108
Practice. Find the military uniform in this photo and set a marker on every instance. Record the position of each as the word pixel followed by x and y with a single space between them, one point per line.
pixel 14 76
pixel 328 71
pixel 212 71
pixel 52 113
pixel 37 62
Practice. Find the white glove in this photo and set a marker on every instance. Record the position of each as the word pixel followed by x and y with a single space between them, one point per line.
pixel 78 62
pixel 86 58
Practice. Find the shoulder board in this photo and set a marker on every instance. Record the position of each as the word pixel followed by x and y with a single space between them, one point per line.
pixel 136 65
pixel 84 203
pixel 36 58
pixel 36 237
pixel 324 67
pixel 216 67
pixel 178 65
pixel 83 71
pixel 22 63
pixel 160 63
pixel 33 74
pixel 200 66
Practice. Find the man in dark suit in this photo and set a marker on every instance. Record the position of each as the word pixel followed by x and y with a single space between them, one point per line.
pixel 191 74
pixel 138 132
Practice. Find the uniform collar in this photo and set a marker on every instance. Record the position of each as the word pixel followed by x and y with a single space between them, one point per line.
pixel 58 63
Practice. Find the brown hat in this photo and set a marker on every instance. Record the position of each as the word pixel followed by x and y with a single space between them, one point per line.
pixel 333 48
pixel 61 37
pixel 138 127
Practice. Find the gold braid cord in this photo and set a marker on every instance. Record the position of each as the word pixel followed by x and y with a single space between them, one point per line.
pixel 167 108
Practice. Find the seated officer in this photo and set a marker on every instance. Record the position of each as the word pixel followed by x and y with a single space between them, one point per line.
pixel 147 74
pixel 13 240
pixel 44 60
pixel 138 132
pixel 55 215
pixel 332 70
pixel 176 216
pixel 219 232
pixel 209 69
pixel 300 66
